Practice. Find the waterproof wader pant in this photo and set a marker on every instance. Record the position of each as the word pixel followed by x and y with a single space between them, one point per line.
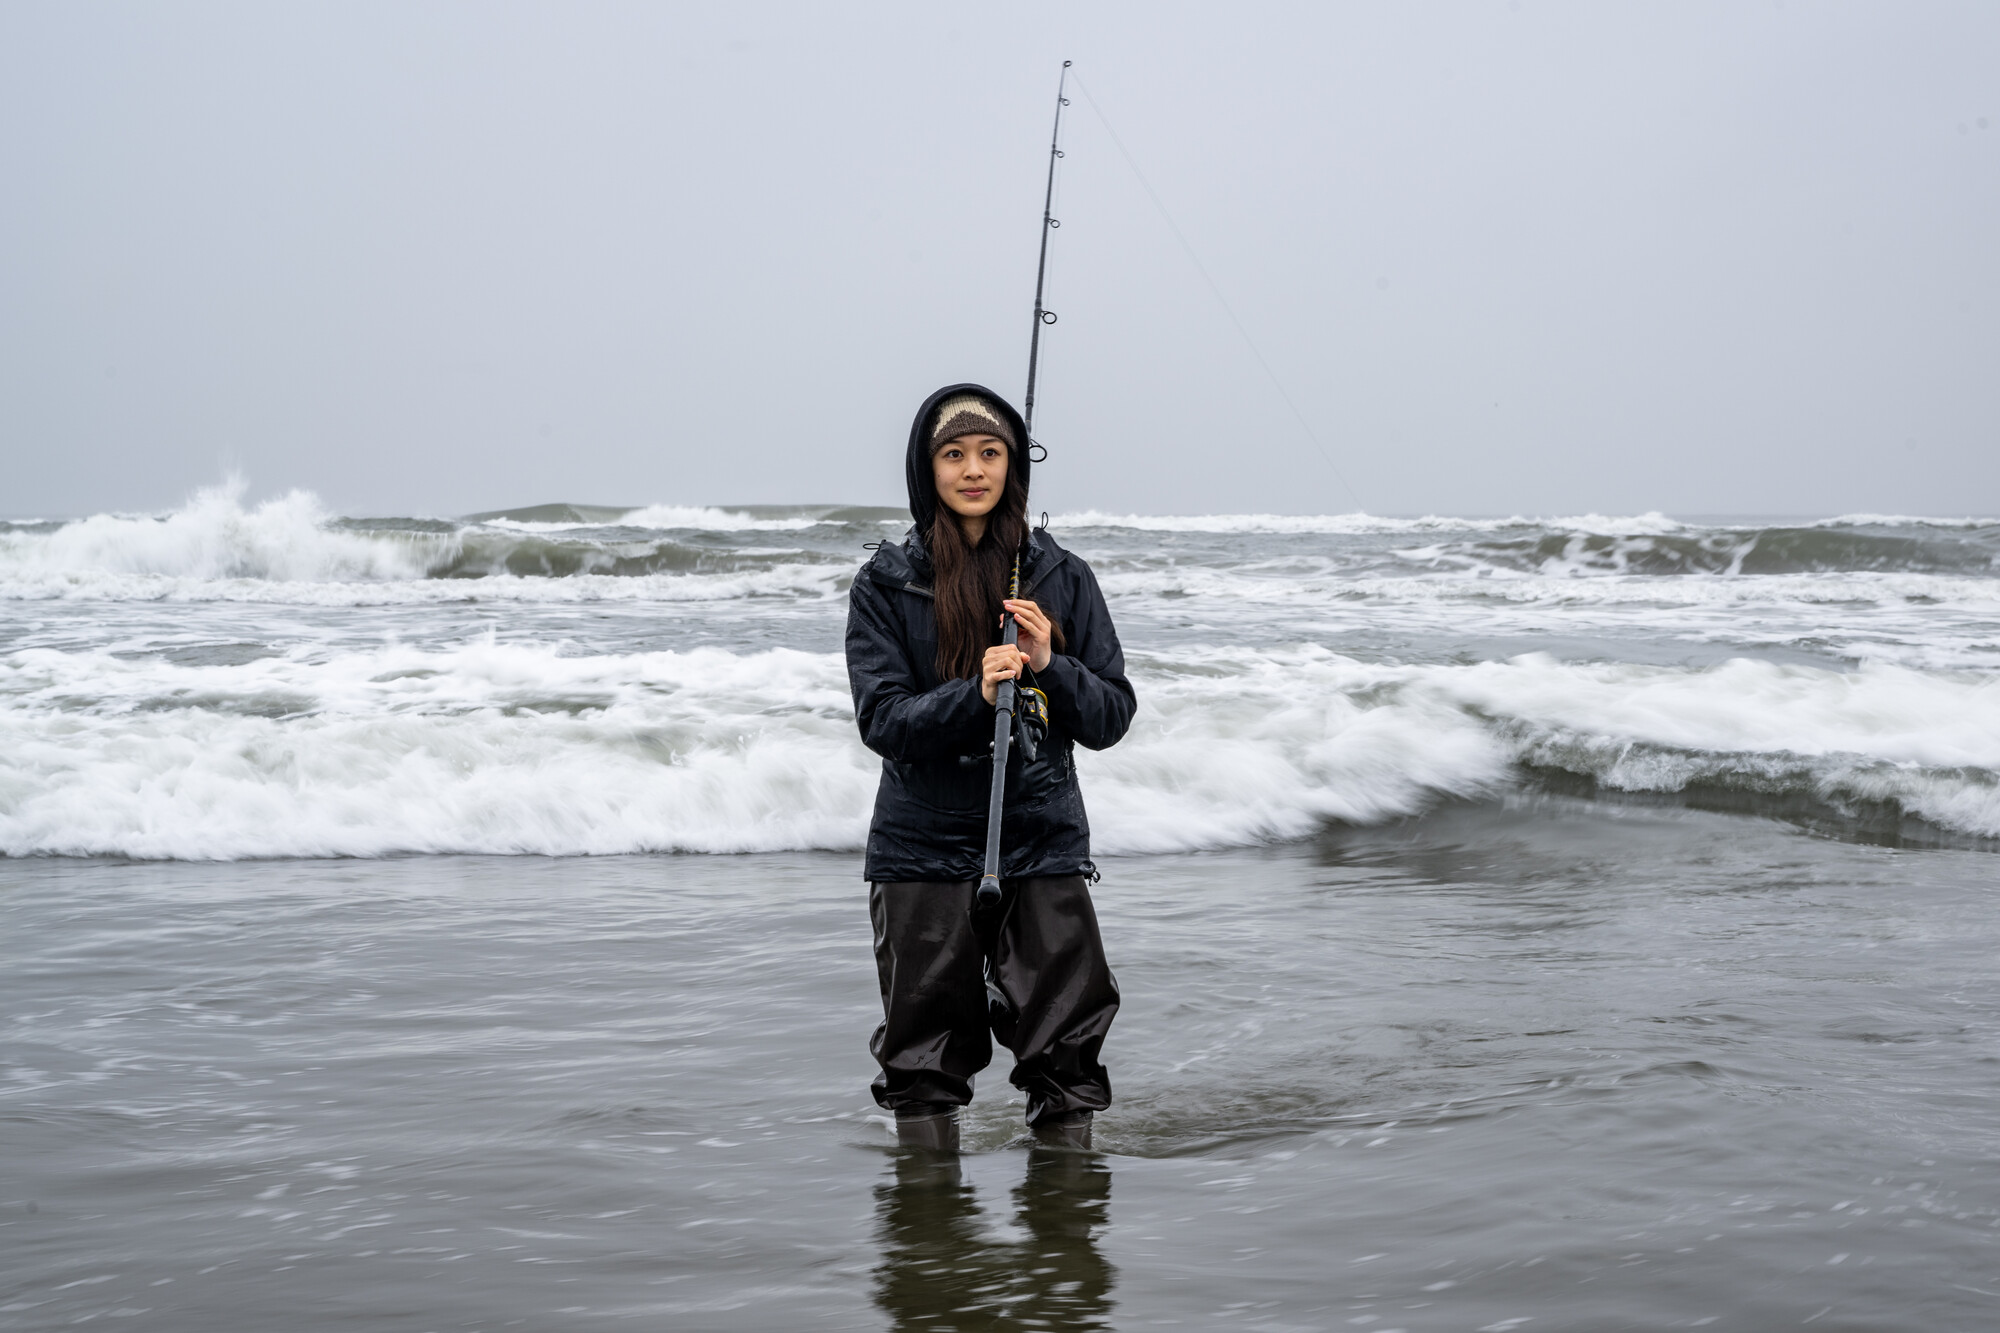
pixel 1054 995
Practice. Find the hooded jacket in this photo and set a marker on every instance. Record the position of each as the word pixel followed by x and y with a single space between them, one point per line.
pixel 935 735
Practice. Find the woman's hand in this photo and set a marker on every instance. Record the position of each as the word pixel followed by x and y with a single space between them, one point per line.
pixel 1002 663
pixel 1035 634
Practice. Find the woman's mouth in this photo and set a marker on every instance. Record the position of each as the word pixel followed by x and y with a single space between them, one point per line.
pixel 974 492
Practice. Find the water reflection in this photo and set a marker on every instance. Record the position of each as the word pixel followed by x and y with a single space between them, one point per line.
pixel 949 1264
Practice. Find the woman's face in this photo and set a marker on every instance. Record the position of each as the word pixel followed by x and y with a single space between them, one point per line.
pixel 971 472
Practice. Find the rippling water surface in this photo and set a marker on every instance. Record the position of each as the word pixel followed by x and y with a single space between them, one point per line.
pixel 1526 924
pixel 1530 1064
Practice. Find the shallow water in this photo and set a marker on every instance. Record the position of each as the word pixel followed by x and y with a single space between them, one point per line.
pixel 1528 1064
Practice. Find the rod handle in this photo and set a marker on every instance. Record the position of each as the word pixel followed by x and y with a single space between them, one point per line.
pixel 988 894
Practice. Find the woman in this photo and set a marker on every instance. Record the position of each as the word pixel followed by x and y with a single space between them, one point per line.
pixel 925 663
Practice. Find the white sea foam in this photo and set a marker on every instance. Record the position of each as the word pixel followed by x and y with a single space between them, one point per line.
pixel 503 748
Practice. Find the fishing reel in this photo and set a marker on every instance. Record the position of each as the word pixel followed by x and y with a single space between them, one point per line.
pixel 1031 721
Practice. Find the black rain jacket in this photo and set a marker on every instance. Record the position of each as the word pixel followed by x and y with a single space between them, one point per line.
pixel 935 736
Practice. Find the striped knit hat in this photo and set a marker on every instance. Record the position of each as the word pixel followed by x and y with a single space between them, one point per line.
pixel 969 414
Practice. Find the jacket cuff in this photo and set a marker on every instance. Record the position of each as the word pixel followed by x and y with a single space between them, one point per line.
pixel 1062 673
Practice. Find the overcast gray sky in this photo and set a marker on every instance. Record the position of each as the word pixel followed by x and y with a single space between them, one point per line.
pixel 1507 257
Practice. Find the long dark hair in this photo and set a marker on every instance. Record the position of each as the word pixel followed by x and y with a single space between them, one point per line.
pixel 971 580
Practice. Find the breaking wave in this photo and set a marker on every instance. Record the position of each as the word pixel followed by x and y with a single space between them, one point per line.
pixel 1345 525
pixel 214 537
pixel 217 547
pixel 508 748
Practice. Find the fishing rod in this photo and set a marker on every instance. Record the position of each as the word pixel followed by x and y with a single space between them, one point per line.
pixel 1010 633
pixel 1049 224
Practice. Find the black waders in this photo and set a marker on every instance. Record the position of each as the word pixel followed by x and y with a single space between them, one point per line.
pixel 1030 972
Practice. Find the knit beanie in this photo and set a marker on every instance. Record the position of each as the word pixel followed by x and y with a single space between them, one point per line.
pixel 969 414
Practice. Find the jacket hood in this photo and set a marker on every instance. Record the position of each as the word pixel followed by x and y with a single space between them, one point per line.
pixel 917 463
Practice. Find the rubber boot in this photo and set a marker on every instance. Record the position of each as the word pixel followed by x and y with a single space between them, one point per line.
pixel 932 1130
pixel 1070 1129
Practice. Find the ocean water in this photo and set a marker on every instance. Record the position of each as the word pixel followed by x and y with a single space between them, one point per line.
pixel 1529 923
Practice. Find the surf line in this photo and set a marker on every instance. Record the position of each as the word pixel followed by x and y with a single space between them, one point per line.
pixel 1034 709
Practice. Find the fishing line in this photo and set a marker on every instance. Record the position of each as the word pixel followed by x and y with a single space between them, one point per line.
pixel 1216 291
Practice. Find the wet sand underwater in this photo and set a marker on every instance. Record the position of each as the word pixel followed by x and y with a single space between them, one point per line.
pixel 1531 1064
